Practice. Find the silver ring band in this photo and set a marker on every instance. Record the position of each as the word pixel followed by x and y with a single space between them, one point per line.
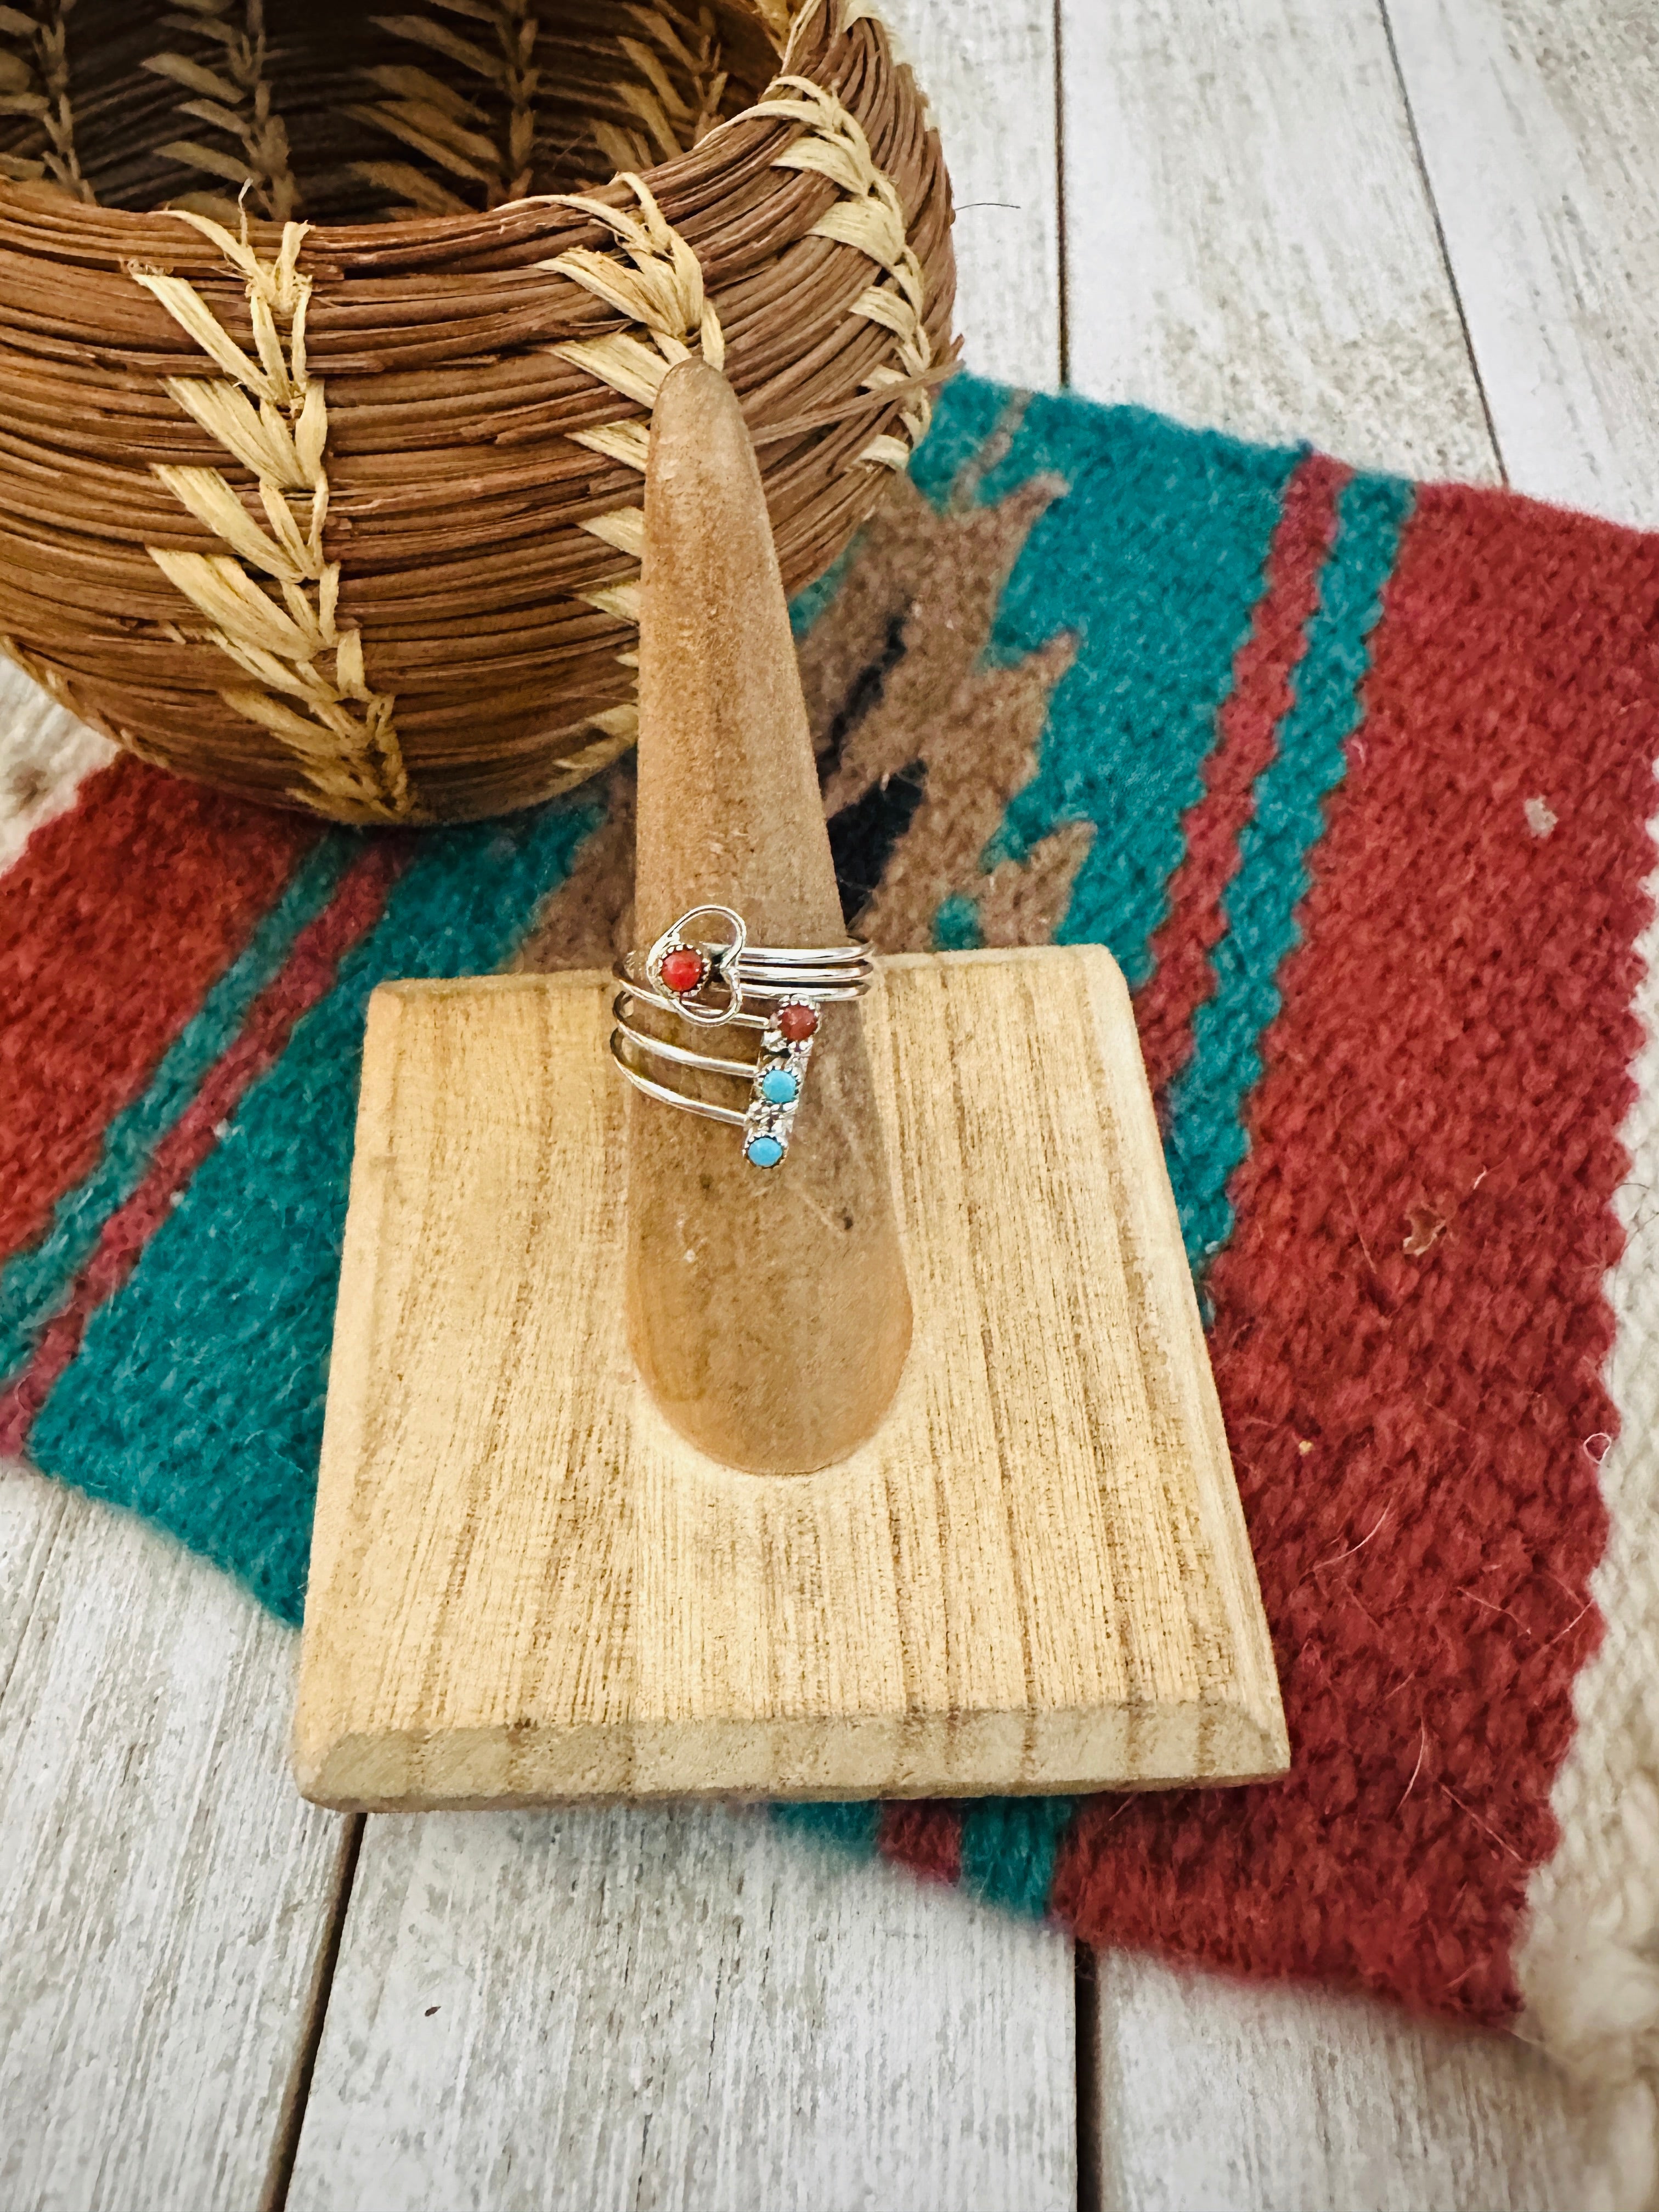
pixel 705 984
pixel 847 981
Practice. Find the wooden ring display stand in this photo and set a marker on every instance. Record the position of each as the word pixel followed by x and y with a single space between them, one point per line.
pixel 550 1562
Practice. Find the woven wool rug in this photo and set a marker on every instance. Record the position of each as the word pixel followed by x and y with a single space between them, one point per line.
pixel 1354 777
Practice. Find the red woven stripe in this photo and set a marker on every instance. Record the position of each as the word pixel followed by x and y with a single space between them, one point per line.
pixel 307 978
pixel 925 1837
pixel 1415 1430
pixel 114 924
pixel 1182 977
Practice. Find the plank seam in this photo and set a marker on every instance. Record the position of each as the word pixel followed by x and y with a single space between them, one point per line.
pixel 285 2144
pixel 1441 246
pixel 1062 267
pixel 1086 2002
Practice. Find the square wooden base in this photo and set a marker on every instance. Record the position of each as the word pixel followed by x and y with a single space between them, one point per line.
pixel 526 1588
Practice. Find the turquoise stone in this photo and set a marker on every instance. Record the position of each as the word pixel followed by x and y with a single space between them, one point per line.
pixel 764 1151
pixel 779 1086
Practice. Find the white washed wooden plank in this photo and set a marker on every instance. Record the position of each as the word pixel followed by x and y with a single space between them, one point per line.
pixel 30 1514
pixel 1270 263
pixel 1249 242
pixel 1539 121
pixel 164 1896
pixel 677 2008
pixel 44 753
pixel 987 67
pixel 1218 2096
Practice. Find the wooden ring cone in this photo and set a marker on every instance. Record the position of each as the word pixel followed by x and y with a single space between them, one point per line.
pixel 768 1310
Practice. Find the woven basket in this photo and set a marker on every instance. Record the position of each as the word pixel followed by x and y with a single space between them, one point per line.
pixel 326 356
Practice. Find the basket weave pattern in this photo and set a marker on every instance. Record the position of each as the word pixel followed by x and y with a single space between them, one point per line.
pixel 345 513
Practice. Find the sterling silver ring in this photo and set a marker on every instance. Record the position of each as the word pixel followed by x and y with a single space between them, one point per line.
pixel 709 982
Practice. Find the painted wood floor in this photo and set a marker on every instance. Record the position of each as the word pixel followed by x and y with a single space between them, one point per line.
pixel 1421 232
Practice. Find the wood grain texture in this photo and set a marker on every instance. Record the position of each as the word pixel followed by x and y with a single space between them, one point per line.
pixel 1221 2096
pixel 988 70
pixel 1539 121
pixel 680 2012
pixel 525 1587
pixel 1249 240
pixel 766 1311
pixel 164 1896
pixel 31 1514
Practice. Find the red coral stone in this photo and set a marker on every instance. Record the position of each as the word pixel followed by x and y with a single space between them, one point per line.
pixel 797 1023
pixel 681 971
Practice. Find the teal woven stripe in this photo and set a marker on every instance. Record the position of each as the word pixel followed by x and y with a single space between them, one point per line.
pixel 1153 561
pixel 966 413
pixel 847 1826
pixel 36 1283
pixel 1205 1139
pixel 956 926
pixel 1009 1846
pixel 197 1398
pixel 808 605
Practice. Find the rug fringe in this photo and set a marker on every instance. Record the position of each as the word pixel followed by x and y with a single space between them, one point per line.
pixel 1589 1965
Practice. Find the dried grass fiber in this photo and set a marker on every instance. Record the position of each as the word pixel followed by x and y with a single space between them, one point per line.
pixel 328 343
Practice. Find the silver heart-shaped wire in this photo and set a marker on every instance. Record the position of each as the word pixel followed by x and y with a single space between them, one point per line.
pixel 724 960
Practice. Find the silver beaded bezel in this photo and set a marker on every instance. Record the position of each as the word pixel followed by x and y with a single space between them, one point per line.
pixel 719 965
pixel 763 1118
pixel 783 977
